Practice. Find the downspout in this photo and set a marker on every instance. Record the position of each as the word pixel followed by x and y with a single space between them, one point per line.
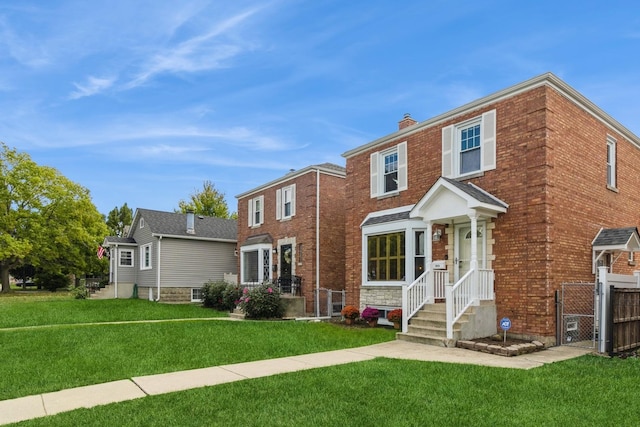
pixel 158 271
pixel 317 242
pixel 114 260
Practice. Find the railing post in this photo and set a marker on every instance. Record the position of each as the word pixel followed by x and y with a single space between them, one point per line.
pixel 405 309
pixel 449 306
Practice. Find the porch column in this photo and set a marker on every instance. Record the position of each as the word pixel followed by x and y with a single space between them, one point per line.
pixel 428 250
pixel 474 240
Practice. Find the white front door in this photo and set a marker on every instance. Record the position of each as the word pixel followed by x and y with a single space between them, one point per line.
pixel 462 249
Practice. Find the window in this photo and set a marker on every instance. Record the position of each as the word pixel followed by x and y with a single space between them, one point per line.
pixel 255 264
pixel 141 222
pixel 256 210
pixel 145 257
pixel 611 162
pixel 196 295
pixel 469 147
pixel 419 254
pixel 286 202
pixel 389 171
pixel 386 257
pixel 126 258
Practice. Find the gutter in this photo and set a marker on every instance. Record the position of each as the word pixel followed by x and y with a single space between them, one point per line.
pixel 317 242
pixel 158 271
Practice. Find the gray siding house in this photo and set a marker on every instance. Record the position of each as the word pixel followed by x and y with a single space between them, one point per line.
pixel 168 256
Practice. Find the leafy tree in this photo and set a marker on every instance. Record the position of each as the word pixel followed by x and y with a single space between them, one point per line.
pixel 46 220
pixel 208 202
pixel 119 219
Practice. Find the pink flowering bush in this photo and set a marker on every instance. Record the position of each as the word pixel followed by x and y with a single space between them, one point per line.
pixel 262 302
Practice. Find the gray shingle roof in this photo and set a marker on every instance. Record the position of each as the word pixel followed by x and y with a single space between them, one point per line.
pixel 615 236
pixel 175 224
pixel 382 219
pixel 120 240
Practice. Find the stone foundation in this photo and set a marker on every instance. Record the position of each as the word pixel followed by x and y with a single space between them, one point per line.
pixel 389 296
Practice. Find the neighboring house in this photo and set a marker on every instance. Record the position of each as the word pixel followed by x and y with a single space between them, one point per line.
pixel 503 198
pixel 169 256
pixel 291 232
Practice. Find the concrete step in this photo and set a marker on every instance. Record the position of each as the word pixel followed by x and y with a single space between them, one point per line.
pixel 237 314
pixel 426 339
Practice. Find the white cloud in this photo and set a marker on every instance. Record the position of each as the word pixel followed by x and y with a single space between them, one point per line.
pixel 200 53
pixel 94 85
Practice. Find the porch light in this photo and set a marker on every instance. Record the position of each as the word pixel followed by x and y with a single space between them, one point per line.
pixel 436 235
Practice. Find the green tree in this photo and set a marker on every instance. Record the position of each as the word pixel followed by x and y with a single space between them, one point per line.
pixel 46 220
pixel 208 202
pixel 119 219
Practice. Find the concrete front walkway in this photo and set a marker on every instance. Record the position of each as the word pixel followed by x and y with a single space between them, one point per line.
pixel 25 408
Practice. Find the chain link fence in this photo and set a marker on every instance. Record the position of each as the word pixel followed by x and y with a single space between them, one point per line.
pixel 578 315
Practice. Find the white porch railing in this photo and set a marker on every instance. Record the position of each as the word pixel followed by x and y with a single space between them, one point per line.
pixel 473 287
pixel 424 290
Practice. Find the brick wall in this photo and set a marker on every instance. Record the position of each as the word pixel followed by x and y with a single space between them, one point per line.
pixel 551 170
pixel 302 228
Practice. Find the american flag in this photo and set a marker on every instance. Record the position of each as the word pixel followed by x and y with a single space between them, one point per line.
pixel 101 252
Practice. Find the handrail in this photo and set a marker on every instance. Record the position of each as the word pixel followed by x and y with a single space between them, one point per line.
pixel 424 290
pixel 414 297
pixel 459 299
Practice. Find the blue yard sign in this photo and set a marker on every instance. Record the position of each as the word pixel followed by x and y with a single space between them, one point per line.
pixel 505 324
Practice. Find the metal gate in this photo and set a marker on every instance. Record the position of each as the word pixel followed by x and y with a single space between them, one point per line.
pixel 578 315
pixel 329 302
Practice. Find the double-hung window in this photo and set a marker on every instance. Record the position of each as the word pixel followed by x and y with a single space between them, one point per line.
pixel 389 171
pixel 469 147
pixel 256 211
pixel 126 258
pixel 611 162
pixel 286 202
pixel 145 257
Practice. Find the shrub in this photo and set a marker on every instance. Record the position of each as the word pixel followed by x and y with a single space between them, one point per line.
pixel 212 295
pixel 350 312
pixel 231 296
pixel 52 281
pixel 370 313
pixel 262 302
pixel 79 292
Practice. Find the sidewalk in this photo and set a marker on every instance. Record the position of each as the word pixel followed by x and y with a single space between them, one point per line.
pixel 25 408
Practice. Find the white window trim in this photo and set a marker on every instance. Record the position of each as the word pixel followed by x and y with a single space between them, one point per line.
pixel 451 145
pixel 143 249
pixel 611 153
pixel 252 211
pixel 120 264
pixel 409 227
pixel 260 248
pixel 194 290
pixel 281 200
pixel 141 222
pixel 376 166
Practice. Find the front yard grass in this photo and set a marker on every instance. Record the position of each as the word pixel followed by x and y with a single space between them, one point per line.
pixel 20 310
pixel 588 391
pixel 67 354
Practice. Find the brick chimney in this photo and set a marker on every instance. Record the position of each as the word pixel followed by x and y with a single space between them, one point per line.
pixel 406 121
pixel 191 220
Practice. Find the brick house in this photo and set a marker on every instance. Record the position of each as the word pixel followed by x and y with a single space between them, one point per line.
pixel 503 198
pixel 291 232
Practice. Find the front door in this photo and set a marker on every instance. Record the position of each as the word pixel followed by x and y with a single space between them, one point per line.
pixel 286 254
pixel 462 260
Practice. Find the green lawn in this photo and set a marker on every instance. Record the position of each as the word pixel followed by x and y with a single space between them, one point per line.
pixel 589 391
pixel 51 358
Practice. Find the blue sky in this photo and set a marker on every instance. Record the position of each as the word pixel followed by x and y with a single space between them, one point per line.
pixel 142 101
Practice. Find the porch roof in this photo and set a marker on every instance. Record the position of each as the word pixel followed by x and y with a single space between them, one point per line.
pixel 259 239
pixel 624 239
pixel 450 199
